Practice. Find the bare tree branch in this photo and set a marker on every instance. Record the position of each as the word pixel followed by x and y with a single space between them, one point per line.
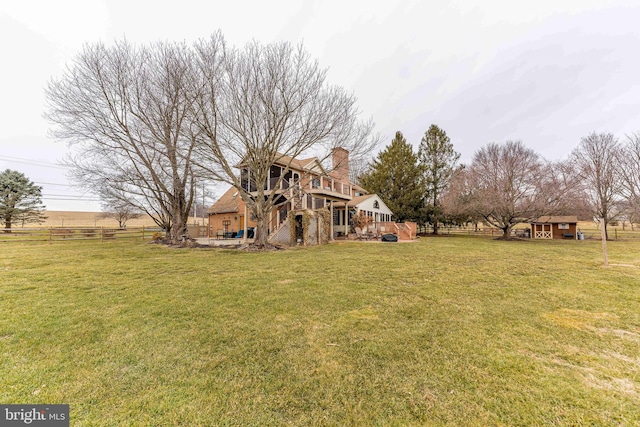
pixel 597 163
pixel 629 170
pixel 127 112
pixel 265 104
pixel 510 183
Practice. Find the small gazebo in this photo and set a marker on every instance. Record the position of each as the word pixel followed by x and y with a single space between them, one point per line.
pixel 555 227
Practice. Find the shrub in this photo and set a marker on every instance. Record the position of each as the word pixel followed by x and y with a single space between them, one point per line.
pixel 361 220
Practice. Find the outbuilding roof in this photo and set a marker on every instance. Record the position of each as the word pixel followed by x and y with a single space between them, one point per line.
pixel 549 219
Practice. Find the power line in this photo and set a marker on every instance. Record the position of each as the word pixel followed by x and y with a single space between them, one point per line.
pixel 32 162
pixel 52 183
pixel 67 199
pixel 65 195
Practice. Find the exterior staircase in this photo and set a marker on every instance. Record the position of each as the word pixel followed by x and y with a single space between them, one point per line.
pixel 281 233
pixel 404 230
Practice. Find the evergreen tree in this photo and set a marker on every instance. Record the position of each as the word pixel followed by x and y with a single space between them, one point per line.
pixel 396 177
pixel 20 200
pixel 438 161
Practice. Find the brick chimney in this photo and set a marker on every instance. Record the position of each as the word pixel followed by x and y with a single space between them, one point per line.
pixel 340 164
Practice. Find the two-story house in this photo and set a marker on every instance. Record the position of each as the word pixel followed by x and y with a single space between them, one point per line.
pixel 305 187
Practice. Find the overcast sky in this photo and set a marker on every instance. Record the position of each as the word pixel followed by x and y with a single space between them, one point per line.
pixel 545 72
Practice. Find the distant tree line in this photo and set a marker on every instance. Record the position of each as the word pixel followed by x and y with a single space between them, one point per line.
pixel 506 183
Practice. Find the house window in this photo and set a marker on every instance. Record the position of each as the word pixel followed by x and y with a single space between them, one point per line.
pixel 563 226
pixel 376 205
pixel 286 180
pixel 318 203
pixel 246 181
pixel 274 177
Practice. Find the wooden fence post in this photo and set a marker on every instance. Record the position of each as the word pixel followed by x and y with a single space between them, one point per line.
pixel 603 233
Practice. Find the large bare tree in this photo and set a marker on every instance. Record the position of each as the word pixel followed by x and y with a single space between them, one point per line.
pixel 629 169
pixel 264 104
pixel 510 183
pixel 597 158
pixel 127 111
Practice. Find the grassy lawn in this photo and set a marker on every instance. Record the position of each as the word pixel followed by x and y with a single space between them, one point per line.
pixel 445 331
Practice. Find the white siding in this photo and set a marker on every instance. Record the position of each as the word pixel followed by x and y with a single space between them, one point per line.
pixel 367 205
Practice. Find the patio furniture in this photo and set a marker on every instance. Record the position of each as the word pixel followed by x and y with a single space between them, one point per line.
pixel 389 238
pixel 373 234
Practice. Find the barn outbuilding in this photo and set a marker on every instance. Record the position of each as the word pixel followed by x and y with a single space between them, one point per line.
pixel 555 227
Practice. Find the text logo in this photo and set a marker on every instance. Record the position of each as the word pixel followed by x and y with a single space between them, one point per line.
pixel 34 415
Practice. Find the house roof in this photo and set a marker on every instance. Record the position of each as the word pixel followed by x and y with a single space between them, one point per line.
pixel 359 199
pixel 303 164
pixel 227 203
pixel 355 201
pixel 359 188
pixel 549 219
pixel 298 164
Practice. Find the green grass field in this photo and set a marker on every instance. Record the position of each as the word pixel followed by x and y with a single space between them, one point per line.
pixel 445 331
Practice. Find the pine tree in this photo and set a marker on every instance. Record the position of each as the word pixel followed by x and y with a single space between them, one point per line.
pixel 439 161
pixel 20 200
pixel 396 177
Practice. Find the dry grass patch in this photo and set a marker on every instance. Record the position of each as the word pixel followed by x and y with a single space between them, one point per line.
pixel 579 319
